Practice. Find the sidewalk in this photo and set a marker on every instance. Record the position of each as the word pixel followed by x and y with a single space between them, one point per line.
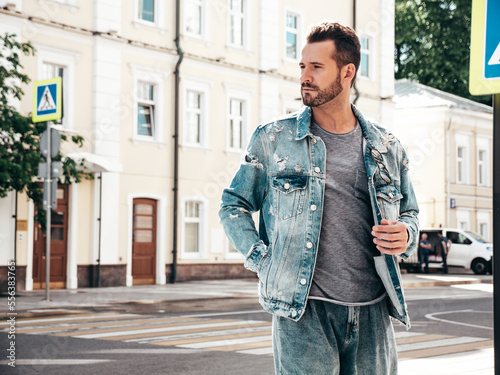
pixel 243 294
pixel 189 291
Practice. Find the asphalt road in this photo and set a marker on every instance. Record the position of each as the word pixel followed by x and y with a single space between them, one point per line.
pixel 125 339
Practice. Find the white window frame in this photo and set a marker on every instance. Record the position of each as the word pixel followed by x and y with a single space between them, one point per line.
pixel 66 60
pixel 483 218
pixel 369 53
pixel 298 36
pixel 482 145
pixel 204 20
pixel 245 28
pixel 152 76
pixel 231 117
pixel 202 87
pixel 290 104
pixel 151 103
pixel 159 16
pixel 482 168
pixel 462 141
pixel 203 229
pixel 232 255
pixel 244 95
pixel 463 219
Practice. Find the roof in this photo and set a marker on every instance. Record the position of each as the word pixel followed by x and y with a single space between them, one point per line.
pixel 409 94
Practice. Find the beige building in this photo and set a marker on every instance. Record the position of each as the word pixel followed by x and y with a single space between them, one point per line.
pixel 164 134
pixel 450 144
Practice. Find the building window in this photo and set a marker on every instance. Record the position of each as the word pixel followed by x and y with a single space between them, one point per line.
pixel 145 110
pixel 236 122
pixel 146 10
pixel 364 67
pixel 192 227
pixel 482 169
pixel 194 220
pixel 292 36
pixel 483 230
pixel 52 71
pixel 194 17
pixel 237 23
pixel 193 124
pixel 461 165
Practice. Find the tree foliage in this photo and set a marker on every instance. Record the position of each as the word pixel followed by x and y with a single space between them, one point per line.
pixel 432 44
pixel 19 136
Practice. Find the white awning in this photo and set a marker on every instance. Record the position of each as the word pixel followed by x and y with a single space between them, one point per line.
pixel 95 163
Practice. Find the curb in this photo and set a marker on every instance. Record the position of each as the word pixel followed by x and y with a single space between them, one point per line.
pixel 426 284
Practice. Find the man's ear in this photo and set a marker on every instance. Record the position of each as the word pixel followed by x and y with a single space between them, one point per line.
pixel 348 72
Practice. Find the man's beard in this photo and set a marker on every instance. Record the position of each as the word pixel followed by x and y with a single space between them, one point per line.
pixel 322 96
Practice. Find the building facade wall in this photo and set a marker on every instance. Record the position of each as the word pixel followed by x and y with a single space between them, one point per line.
pixel 113 59
pixel 432 136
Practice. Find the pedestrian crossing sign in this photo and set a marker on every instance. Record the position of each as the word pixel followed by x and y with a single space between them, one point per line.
pixel 485 48
pixel 47 100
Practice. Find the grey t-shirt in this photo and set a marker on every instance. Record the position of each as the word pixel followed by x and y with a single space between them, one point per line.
pixel 345 270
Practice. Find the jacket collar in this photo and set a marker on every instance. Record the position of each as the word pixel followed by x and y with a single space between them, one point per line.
pixel 373 135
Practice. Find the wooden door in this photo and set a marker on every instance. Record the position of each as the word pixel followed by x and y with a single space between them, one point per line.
pixel 58 246
pixel 144 241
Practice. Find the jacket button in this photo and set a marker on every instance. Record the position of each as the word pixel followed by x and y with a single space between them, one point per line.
pixel 287 186
pixel 303 281
pixel 313 207
pixel 309 245
pixel 294 314
pixel 314 140
pixel 317 170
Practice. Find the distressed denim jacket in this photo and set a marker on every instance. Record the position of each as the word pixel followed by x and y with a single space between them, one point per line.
pixel 282 175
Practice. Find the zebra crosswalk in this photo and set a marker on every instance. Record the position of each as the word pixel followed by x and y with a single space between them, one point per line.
pixel 214 333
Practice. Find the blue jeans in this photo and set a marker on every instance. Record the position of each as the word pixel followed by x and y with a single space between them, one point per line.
pixel 336 340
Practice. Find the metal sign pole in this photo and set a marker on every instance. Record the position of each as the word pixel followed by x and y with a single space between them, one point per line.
pixel 48 210
pixel 496 228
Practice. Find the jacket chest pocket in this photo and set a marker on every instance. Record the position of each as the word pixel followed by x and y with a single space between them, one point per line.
pixel 290 192
pixel 389 199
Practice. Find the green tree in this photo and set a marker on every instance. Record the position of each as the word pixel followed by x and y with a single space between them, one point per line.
pixel 19 136
pixel 432 44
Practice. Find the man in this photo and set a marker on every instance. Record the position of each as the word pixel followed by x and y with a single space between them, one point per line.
pixel 443 249
pixel 424 248
pixel 336 206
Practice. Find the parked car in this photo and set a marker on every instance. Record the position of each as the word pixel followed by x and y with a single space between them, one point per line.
pixel 468 250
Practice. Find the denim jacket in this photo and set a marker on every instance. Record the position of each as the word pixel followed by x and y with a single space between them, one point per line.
pixel 282 175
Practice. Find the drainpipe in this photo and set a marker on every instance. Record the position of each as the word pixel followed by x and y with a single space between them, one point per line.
pixel 173 275
pixel 356 92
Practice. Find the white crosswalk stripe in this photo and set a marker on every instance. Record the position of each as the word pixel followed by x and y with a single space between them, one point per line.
pixel 219 333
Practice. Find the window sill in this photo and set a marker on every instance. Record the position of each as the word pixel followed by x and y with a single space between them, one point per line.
pixel 148 25
pixel 235 48
pixel 191 257
pixel 198 38
pixel 67 4
pixel 153 142
pixel 188 147
pixel 232 151
pixel 234 256
pixel 290 61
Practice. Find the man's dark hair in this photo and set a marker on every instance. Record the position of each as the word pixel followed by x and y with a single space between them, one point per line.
pixel 347 45
pixel 440 232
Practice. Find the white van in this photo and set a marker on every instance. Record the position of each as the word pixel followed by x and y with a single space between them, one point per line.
pixel 468 250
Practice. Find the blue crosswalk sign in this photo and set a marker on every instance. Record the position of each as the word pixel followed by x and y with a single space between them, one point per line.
pixel 484 75
pixel 492 40
pixel 47 100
